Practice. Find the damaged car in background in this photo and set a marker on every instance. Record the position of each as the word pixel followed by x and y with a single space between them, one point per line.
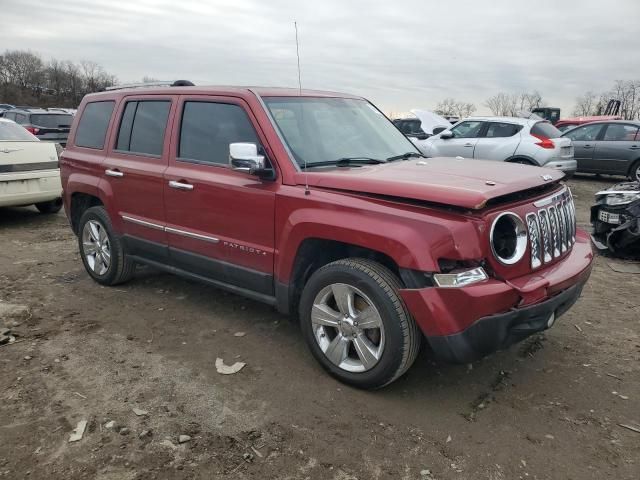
pixel 616 219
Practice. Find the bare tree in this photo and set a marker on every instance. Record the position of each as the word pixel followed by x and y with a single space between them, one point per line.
pixel 511 104
pixel 586 105
pixel 449 107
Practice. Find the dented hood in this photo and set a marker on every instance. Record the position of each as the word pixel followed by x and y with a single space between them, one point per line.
pixel 447 181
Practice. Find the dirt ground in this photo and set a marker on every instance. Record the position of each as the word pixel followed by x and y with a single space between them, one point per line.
pixel 549 408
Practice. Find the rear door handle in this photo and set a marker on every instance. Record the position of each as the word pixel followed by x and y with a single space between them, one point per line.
pixel 587 146
pixel 468 144
pixel 180 185
pixel 113 173
pixel 634 147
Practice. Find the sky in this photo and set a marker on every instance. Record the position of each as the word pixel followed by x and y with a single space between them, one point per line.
pixel 399 54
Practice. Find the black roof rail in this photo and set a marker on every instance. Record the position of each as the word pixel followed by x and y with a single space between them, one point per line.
pixel 175 83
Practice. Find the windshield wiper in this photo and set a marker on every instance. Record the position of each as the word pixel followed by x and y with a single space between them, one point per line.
pixel 404 156
pixel 345 162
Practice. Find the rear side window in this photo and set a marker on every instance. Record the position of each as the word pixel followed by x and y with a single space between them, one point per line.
pixel 546 130
pixel 496 130
pixel 52 120
pixel 207 129
pixel 142 127
pixel 21 119
pixel 92 129
pixel 617 132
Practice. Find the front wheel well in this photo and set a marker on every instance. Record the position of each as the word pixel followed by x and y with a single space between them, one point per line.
pixel 80 202
pixel 314 253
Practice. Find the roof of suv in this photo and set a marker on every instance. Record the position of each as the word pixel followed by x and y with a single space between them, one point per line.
pixel 516 120
pixel 225 90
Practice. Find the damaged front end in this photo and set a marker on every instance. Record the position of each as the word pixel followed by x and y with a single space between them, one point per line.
pixel 616 219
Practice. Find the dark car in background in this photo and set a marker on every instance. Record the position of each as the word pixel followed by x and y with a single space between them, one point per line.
pixel 49 126
pixel 611 147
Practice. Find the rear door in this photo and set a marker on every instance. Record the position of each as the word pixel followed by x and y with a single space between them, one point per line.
pixel 134 173
pixel 220 222
pixel 585 140
pixel 499 141
pixel 618 149
pixel 465 137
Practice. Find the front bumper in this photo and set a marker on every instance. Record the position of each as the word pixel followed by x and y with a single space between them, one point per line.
pixel 497 332
pixel 451 318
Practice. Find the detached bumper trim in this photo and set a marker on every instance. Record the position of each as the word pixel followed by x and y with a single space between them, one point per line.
pixel 497 332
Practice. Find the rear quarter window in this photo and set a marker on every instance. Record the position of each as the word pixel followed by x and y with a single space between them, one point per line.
pixel 93 125
pixel 545 129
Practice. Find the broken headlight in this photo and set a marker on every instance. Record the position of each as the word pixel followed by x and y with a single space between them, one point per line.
pixel 621 198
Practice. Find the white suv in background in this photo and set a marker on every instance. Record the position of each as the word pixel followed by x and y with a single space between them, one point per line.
pixel 506 139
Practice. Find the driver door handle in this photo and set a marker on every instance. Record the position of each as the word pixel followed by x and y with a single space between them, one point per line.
pixel 468 144
pixel 587 146
pixel 180 185
pixel 634 147
pixel 113 173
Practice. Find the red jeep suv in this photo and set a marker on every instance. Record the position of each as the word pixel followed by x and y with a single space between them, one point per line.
pixel 315 203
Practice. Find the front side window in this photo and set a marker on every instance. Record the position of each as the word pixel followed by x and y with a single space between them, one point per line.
pixel 617 132
pixel 208 128
pixel 21 119
pixel 496 130
pixel 142 127
pixel 588 133
pixel 469 129
pixel 92 128
pixel 320 129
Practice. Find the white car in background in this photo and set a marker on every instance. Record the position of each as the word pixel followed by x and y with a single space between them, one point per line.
pixel 29 170
pixel 530 141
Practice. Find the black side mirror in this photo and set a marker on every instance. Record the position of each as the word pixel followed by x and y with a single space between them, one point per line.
pixel 437 130
pixel 421 136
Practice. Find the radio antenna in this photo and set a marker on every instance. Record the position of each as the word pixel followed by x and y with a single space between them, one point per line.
pixel 295 25
pixel 306 177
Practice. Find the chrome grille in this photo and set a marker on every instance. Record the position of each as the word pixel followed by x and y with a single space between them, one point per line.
pixel 552 228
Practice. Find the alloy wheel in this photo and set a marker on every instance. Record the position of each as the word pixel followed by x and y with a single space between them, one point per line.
pixel 347 327
pixel 96 247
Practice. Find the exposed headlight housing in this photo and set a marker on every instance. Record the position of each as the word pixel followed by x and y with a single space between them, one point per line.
pixel 621 198
pixel 508 238
pixel 460 279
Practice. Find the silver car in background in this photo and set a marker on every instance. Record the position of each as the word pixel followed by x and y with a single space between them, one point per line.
pixel 505 139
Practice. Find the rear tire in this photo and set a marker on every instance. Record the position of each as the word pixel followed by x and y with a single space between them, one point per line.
pixel 337 340
pixel 101 250
pixel 52 206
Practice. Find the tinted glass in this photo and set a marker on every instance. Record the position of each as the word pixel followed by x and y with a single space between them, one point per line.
pixel 469 129
pixel 93 125
pixel 10 131
pixel 207 129
pixel 616 132
pixel 20 118
pixel 546 130
pixel 588 133
pixel 9 115
pixel 496 130
pixel 146 134
pixel 52 120
pixel 327 129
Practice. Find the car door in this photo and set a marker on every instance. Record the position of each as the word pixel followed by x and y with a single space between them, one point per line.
pixel 463 142
pixel 498 141
pixel 618 149
pixel 585 140
pixel 134 173
pixel 220 222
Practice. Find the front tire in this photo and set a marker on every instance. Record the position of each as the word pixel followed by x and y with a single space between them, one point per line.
pixel 634 173
pixel 52 206
pixel 356 324
pixel 101 249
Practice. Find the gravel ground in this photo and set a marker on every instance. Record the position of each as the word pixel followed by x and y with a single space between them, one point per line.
pixel 548 408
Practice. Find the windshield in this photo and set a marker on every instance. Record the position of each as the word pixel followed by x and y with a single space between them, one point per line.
pixel 319 130
pixel 52 120
pixel 12 132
